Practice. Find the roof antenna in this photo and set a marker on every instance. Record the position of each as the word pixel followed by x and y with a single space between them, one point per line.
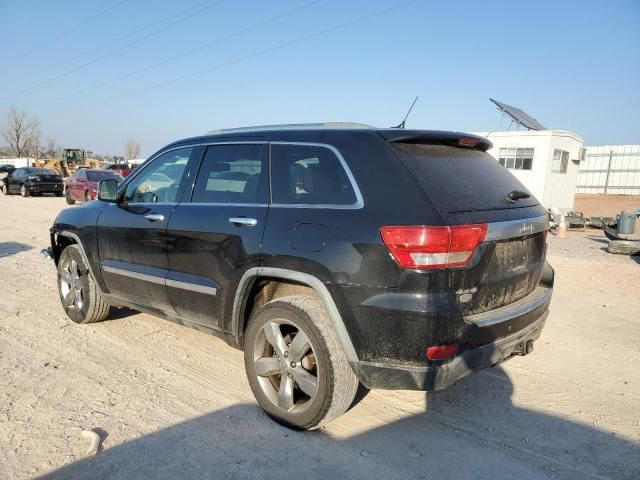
pixel 401 124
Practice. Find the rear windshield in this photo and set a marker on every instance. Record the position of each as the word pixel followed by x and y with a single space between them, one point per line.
pixel 461 180
pixel 98 176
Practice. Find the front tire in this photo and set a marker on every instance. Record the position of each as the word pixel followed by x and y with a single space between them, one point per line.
pixel 80 296
pixel 295 364
pixel 4 190
pixel 24 191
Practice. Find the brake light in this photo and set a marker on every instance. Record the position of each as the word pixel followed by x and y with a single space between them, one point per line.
pixel 468 142
pixel 442 352
pixel 424 247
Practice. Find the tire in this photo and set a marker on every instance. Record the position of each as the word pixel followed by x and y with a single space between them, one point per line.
pixel 87 198
pixel 79 294
pixel 307 404
pixel 24 191
pixel 4 190
pixel 70 201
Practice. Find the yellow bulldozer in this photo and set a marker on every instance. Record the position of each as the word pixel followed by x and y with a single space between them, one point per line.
pixel 69 160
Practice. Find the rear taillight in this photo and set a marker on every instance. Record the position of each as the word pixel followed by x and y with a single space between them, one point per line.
pixel 442 352
pixel 424 247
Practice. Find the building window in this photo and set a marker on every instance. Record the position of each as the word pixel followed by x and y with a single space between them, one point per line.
pixel 516 158
pixel 560 161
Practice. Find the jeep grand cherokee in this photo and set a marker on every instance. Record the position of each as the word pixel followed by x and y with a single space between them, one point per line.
pixel 334 255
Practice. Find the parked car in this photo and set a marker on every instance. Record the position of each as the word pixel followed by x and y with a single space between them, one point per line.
pixel 82 186
pixel 123 169
pixel 391 258
pixel 32 181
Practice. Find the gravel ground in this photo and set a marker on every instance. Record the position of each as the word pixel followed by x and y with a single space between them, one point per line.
pixel 173 402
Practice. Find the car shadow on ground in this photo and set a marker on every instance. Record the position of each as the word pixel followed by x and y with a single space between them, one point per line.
pixel 119 313
pixel 11 248
pixel 471 430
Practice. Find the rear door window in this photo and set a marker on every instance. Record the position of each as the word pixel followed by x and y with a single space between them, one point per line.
pixel 233 174
pixel 460 179
pixel 309 175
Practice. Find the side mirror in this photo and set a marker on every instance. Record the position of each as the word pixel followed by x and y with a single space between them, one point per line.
pixel 108 190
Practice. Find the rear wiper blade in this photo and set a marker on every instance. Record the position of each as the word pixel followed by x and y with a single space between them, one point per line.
pixel 514 196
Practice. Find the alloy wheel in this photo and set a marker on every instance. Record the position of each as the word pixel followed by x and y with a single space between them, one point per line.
pixel 72 285
pixel 285 364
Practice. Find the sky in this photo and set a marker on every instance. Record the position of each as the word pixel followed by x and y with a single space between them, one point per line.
pixel 97 72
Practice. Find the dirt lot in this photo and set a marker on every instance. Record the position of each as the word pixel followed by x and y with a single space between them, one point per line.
pixel 605 205
pixel 172 402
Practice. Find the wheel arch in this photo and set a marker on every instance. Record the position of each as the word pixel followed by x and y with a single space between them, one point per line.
pixel 248 281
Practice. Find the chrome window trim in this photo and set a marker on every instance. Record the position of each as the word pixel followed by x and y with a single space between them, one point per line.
pixel 214 204
pixel 192 287
pixel 130 273
pixel 358 204
pixel 167 282
pixel 516 228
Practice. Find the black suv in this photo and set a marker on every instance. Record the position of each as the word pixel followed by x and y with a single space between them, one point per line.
pixel 334 255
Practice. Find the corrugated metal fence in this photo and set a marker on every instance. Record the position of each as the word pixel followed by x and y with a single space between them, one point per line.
pixel 613 169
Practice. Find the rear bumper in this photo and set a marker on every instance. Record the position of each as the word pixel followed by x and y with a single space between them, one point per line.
pixel 397 377
pixel 44 187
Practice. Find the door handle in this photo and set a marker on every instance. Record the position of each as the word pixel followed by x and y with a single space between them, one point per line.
pixel 154 217
pixel 244 221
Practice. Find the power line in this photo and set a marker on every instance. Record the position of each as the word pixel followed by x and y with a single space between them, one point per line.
pixel 134 34
pixel 73 29
pixel 123 47
pixel 196 49
pixel 264 51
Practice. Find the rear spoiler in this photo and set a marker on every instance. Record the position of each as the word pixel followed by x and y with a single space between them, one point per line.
pixel 435 137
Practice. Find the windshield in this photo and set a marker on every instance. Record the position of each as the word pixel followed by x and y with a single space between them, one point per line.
pixel 98 176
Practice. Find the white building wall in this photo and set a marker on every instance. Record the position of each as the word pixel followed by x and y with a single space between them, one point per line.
pixel 551 189
pixel 622 162
pixel 560 188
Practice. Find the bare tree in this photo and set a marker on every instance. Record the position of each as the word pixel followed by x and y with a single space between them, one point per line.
pixel 131 149
pixel 21 133
pixel 52 147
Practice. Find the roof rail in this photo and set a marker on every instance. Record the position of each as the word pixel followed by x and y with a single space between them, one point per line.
pixel 294 126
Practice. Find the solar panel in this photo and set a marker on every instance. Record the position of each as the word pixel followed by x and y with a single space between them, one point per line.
pixel 519 116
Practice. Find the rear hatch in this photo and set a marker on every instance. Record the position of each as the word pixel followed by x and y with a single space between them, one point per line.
pixel 468 186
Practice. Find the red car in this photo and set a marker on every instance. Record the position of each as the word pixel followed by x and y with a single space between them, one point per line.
pixel 123 169
pixel 82 186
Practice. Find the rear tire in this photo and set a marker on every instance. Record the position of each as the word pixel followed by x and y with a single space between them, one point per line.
pixel 301 384
pixel 80 296
pixel 24 191
pixel 70 201
pixel 87 197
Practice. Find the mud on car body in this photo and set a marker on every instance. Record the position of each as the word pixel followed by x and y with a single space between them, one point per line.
pixel 333 255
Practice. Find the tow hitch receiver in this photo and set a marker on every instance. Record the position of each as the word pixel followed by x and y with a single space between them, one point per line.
pixel 46 253
pixel 523 348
